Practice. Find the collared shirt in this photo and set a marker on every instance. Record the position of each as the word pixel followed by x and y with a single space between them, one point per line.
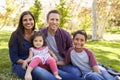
pixel 62 38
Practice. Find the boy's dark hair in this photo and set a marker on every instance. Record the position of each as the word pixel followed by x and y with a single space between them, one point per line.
pixel 52 11
pixel 82 32
pixel 36 34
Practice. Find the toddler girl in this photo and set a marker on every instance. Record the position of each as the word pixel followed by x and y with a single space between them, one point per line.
pixel 40 55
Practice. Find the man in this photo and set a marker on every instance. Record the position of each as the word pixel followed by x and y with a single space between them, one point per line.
pixel 59 41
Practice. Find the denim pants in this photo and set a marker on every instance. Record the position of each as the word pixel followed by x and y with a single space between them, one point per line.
pixel 41 74
pixel 104 75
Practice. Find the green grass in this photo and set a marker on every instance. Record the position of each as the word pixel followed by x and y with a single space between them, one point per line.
pixel 5 64
pixel 106 53
pixel 113 30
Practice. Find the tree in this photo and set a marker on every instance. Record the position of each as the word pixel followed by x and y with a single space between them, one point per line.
pixel 65 13
pixel 94 24
pixel 6 16
pixel 36 10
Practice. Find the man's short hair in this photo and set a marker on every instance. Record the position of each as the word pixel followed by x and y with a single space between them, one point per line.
pixel 52 11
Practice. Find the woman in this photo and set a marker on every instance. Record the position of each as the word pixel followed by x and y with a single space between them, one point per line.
pixel 19 45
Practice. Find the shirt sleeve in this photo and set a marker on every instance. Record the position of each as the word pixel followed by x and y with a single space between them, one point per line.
pixel 13 52
pixel 69 40
pixel 67 57
pixel 92 58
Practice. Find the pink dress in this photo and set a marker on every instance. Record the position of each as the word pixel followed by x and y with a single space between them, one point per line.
pixel 41 53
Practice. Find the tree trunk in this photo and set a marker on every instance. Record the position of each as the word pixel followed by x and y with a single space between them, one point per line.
pixel 94 21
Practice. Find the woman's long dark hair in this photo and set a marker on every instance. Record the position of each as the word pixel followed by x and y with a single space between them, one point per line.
pixel 18 34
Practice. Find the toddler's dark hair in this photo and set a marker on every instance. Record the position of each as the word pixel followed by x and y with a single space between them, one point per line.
pixel 82 32
pixel 36 34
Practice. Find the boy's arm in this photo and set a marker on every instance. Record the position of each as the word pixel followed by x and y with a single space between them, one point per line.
pixel 96 69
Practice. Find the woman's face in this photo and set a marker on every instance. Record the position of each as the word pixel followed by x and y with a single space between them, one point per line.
pixel 28 22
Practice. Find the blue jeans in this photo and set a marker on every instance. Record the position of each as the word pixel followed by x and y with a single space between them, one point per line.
pixel 41 74
pixel 71 69
pixel 104 75
pixel 93 76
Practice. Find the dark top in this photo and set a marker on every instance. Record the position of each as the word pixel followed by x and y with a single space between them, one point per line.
pixel 17 53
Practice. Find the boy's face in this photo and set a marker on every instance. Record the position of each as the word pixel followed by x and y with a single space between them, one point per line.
pixel 38 42
pixel 79 41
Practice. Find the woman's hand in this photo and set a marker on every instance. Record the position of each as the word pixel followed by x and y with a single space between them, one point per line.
pixel 25 64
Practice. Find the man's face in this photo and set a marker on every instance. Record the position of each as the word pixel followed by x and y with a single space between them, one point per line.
pixel 53 21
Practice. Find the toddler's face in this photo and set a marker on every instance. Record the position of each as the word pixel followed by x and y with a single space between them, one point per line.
pixel 79 41
pixel 38 42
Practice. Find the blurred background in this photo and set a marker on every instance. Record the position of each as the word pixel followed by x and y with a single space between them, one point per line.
pixel 95 16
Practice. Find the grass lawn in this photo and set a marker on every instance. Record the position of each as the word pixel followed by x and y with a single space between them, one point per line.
pixel 106 53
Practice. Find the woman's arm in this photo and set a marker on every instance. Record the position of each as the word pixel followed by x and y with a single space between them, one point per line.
pixel 30 56
pixel 25 62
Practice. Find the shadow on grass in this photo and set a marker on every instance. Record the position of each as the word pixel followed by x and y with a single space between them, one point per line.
pixel 104 43
pixel 107 58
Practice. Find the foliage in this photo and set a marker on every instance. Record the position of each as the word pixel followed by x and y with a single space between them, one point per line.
pixel 86 18
pixel 6 15
pixel 115 13
pixel 36 10
pixel 65 13
pixel 108 15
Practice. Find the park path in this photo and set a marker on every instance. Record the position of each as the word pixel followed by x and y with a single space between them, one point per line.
pixel 111 37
